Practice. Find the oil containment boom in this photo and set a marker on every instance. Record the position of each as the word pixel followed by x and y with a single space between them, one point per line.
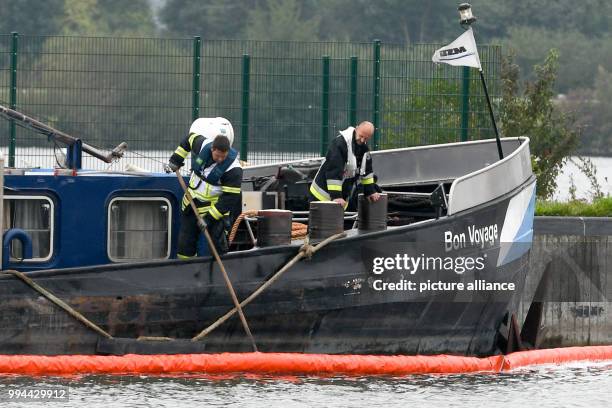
pixel 60 136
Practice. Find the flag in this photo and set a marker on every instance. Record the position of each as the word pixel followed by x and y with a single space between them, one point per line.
pixel 461 52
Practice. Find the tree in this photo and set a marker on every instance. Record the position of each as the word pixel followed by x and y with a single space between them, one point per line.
pixel 591 18
pixel 593 108
pixel 281 20
pixel 532 113
pixel 31 17
pixel 212 19
pixel 108 17
pixel 579 55
pixel 395 21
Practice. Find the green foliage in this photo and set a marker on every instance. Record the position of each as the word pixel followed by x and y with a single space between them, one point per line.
pixel 589 17
pixel 393 21
pixel 106 17
pixel 579 55
pixel 30 16
pixel 587 167
pixel 281 20
pixel 430 111
pixel 77 17
pixel 212 19
pixel 593 108
pixel 419 118
pixel 601 207
pixel 133 92
pixel 531 112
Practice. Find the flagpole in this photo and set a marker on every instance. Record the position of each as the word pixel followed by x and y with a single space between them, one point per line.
pixel 499 146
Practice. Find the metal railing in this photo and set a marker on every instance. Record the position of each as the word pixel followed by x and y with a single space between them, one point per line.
pixel 286 100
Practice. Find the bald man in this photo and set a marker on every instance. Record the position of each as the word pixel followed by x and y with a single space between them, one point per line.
pixel 344 165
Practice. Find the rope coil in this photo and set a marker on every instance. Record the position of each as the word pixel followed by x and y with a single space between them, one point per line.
pixel 298 230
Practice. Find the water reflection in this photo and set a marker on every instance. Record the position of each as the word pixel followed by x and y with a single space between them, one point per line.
pixel 580 385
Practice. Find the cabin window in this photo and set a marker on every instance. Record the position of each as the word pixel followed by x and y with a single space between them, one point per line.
pixel 34 215
pixel 138 229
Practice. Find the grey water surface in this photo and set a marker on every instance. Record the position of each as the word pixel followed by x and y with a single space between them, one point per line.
pixel 575 385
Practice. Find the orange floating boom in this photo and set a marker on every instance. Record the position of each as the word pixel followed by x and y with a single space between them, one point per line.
pixel 291 363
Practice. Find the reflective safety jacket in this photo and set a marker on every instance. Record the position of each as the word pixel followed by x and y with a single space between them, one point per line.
pixel 217 195
pixel 343 165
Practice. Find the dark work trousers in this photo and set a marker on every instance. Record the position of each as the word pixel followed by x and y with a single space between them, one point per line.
pixel 353 192
pixel 189 234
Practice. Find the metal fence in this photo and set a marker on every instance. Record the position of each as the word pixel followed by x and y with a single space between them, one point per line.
pixel 286 100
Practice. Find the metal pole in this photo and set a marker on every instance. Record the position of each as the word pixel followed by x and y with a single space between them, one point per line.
pixel 465 104
pixel 353 93
pixel 499 146
pixel 13 98
pixel 244 134
pixel 325 106
pixel 195 102
pixel 376 93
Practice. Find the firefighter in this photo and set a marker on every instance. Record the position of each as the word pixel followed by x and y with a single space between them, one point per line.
pixel 214 185
pixel 347 160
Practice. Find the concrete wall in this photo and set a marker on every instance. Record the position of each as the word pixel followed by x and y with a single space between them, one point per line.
pixel 573 256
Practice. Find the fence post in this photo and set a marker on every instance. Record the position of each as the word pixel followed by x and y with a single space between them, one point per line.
pixel 353 93
pixel 465 104
pixel 325 106
pixel 244 134
pixel 13 98
pixel 195 90
pixel 376 93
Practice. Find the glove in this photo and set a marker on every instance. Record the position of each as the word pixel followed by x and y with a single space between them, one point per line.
pixel 171 167
pixel 204 222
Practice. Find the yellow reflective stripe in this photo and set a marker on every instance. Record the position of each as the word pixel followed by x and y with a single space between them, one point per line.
pixel 181 152
pixel 333 187
pixel 315 192
pixel 203 210
pixel 191 137
pixel 216 214
pixel 233 190
pixel 367 181
pixel 196 194
pixel 180 256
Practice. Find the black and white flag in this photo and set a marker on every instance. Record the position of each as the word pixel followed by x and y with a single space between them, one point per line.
pixel 461 52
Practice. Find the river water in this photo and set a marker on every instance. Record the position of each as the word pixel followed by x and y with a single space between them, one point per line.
pixel 584 189
pixel 586 385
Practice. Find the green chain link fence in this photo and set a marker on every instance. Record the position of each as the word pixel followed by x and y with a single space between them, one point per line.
pixel 286 100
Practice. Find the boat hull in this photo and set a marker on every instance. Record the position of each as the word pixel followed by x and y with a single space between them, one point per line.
pixel 328 304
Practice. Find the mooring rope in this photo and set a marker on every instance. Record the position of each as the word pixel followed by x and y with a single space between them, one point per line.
pixel 306 251
pixel 298 230
pixel 242 216
pixel 60 303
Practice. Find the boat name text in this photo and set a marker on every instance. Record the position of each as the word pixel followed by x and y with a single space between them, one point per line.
pixel 478 237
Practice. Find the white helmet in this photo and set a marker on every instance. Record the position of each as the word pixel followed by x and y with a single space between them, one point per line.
pixel 213 127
